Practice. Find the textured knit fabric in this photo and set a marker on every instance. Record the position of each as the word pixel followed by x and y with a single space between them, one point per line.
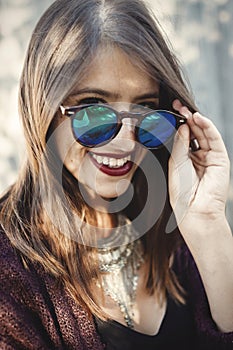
pixel 37 313
pixel 208 335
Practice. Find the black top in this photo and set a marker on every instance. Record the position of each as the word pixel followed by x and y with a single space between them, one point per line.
pixel 176 332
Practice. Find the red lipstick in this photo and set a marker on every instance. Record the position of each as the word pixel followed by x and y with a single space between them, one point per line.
pixel 119 171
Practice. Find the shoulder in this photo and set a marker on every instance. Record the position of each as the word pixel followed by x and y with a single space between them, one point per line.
pixel 20 301
pixel 36 312
pixel 19 283
pixel 11 263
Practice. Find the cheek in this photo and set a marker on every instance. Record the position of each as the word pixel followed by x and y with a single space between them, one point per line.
pixel 71 153
pixel 75 159
pixel 63 137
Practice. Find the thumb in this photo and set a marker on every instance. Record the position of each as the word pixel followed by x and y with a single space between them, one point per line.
pixel 180 148
pixel 180 174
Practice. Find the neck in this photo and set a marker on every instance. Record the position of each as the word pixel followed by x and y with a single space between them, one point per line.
pixel 105 215
pixel 106 221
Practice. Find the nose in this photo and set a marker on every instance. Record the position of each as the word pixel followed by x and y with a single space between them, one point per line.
pixel 125 139
pixel 128 124
pixel 127 130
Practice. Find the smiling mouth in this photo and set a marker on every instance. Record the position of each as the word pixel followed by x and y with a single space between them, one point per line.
pixel 114 166
pixel 110 161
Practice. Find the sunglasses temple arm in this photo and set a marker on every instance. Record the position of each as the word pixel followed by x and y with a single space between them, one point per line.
pixel 194 145
pixel 63 110
pixel 182 120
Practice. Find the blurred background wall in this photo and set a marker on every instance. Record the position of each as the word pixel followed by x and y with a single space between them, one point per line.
pixel 201 33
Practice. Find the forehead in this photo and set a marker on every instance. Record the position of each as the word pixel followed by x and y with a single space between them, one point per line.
pixel 112 69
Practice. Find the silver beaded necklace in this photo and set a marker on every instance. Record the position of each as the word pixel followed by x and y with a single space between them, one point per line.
pixel 120 257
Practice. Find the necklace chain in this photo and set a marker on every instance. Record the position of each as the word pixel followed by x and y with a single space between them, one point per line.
pixel 119 267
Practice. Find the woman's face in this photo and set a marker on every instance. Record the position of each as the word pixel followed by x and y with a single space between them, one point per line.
pixel 114 80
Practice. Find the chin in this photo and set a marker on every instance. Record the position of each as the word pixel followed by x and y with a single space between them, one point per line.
pixel 115 190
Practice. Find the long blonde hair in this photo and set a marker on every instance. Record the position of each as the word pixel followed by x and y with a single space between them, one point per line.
pixel 62 47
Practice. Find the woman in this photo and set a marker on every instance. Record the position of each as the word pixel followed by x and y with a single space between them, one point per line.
pixel 92 256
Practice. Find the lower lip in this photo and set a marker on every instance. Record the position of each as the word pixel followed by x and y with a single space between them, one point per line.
pixel 123 170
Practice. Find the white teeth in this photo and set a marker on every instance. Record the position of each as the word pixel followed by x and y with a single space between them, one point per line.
pixel 111 162
pixel 120 162
pixel 99 159
pixel 105 161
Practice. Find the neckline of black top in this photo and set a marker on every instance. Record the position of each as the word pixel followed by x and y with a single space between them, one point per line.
pixel 176 330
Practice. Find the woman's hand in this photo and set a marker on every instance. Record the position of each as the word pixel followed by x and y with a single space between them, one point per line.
pixel 198 188
pixel 198 181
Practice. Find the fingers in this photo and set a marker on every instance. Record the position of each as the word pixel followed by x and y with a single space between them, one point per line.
pixel 176 104
pixel 201 128
pixel 180 149
pixel 199 134
pixel 209 132
pixel 196 132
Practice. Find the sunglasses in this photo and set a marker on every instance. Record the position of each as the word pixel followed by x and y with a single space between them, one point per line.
pixel 94 125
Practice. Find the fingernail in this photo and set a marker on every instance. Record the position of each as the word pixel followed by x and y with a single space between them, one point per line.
pixel 186 112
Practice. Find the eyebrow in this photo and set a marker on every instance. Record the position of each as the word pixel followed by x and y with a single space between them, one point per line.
pixel 149 95
pixel 109 94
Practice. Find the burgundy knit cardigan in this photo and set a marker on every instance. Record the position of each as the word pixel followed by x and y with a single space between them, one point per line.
pixel 37 313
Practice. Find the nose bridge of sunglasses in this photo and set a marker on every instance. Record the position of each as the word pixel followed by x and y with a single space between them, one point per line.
pixel 128 122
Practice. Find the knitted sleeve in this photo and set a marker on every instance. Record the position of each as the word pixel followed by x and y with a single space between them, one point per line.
pixel 36 313
pixel 209 336
pixel 21 316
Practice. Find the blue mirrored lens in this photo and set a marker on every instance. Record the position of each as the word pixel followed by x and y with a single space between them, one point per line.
pixel 94 125
pixel 156 129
